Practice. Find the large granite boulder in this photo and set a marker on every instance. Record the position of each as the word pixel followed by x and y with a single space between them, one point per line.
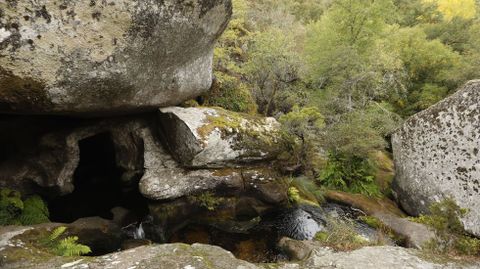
pixel 437 156
pixel 98 57
pixel 213 137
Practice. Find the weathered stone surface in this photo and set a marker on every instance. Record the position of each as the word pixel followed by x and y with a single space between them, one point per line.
pixel 296 249
pixel 213 137
pixel 72 57
pixel 44 159
pixel 437 156
pixel 45 156
pixel 165 179
pixel 374 257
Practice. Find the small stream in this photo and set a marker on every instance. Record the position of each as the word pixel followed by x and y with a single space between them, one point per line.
pixel 258 243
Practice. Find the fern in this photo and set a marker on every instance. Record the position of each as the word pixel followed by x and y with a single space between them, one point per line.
pixel 56 233
pixel 35 211
pixel 69 247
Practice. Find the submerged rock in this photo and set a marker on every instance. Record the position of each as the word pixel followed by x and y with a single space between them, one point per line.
pixel 213 137
pixel 437 156
pixel 300 223
pixel 99 57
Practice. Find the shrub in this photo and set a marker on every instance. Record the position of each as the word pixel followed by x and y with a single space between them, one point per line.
pixel 352 174
pixel 206 200
pixel 230 93
pixel 35 211
pixel 302 190
pixel 341 235
pixel 15 211
pixel 451 237
pixel 11 206
pixel 300 134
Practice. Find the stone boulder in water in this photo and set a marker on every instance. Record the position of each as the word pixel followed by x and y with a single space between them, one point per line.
pixel 300 223
pixel 98 57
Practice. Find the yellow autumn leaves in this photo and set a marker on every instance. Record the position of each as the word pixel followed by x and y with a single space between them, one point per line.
pixel 455 8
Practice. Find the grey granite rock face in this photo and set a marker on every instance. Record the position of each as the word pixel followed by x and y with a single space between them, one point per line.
pixel 437 156
pixel 105 57
pixel 164 178
pixel 213 137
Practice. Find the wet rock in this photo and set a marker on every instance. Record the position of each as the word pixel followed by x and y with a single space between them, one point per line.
pixel 135 243
pixel 123 216
pixel 437 156
pixel 300 223
pixel 213 137
pixel 98 57
pixel 295 249
pixel 101 235
pixel 414 234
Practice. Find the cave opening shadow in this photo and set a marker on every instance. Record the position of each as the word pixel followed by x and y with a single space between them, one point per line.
pixel 98 185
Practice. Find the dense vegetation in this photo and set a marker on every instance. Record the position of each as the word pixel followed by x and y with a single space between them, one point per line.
pixel 342 74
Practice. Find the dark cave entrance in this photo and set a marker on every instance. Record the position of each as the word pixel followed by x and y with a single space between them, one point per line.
pixel 98 185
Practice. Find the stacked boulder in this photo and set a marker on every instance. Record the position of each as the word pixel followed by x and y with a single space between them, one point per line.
pixel 81 61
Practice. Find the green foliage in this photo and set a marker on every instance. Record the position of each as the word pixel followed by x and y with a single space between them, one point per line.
pixel 300 132
pixel 349 174
pixel 230 93
pixel 362 131
pixel 273 70
pixel 444 218
pixel 64 246
pixel 35 211
pixel 15 211
pixel 359 65
pixel 11 206
pixel 207 200
pixel 303 190
pixel 228 90
pixel 341 235
pixel 69 247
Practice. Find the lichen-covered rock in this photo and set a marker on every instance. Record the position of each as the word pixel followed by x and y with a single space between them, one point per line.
pixel 437 156
pixel 165 179
pixel 376 257
pixel 213 137
pixel 97 57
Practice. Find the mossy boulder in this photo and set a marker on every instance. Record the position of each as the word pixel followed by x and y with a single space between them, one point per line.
pixel 214 137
